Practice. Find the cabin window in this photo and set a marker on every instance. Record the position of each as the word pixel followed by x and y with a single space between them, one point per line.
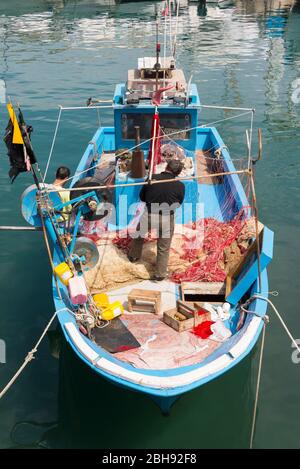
pixel 170 123
pixel 130 120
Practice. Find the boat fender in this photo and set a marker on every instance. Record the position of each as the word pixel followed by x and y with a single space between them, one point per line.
pixel 77 290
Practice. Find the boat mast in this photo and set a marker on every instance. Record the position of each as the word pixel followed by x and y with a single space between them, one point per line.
pixel 157 65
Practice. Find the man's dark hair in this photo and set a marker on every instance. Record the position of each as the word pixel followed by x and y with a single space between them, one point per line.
pixel 175 167
pixel 63 172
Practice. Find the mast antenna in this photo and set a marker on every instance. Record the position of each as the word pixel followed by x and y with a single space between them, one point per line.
pixel 157 65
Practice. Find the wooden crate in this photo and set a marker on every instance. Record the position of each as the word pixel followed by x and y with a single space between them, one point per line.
pixel 185 317
pixel 144 301
pixel 186 309
pixel 171 316
pixel 206 316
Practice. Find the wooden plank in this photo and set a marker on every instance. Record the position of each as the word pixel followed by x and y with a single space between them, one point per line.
pixel 147 294
pixel 203 288
pixel 207 164
pixel 246 273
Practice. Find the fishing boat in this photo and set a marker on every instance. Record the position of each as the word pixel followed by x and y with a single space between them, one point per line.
pixel 161 338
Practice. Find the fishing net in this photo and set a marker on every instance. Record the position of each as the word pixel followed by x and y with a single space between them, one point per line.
pixel 222 249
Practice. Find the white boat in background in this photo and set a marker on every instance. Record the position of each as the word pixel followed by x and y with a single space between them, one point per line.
pixel 220 3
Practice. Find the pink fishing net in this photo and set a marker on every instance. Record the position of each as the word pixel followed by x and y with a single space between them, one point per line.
pixel 161 346
pixel 222 245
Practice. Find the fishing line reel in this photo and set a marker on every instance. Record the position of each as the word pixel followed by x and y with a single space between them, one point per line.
pixel 85 254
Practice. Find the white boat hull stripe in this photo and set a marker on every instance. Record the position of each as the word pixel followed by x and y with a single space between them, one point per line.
pixel 156 381
pixel 246 339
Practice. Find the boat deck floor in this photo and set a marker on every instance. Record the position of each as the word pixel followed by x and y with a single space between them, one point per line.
pixel 161 346
pixel 208 192
pixel 207 165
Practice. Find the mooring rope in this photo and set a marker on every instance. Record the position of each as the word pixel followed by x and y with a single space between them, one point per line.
pixel 30 356
pixel 53 143
pixel 257 385
pixel 260 297
pixel 242 307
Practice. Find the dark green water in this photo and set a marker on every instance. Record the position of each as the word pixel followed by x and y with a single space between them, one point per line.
pixel 62 52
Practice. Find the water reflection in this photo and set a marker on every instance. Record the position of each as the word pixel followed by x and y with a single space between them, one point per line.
pixel 93 413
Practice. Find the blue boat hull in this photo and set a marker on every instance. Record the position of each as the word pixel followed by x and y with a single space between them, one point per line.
pixel 166 386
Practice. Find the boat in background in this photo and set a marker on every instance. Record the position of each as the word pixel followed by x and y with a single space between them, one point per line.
pixel 219 253
pixel 220 3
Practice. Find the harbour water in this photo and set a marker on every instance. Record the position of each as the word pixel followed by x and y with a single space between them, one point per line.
pixel 63 52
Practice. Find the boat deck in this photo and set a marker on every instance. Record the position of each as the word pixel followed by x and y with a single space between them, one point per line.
pixel 161 346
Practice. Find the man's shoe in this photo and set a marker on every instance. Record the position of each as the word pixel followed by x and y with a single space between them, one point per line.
pixel 158 279
pixel 132 259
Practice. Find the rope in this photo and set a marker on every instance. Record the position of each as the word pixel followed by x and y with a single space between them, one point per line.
pixel 257 386
pixel 166 137
pixel 151 139
pixel 260 297
pixel 96 166
pixel 160 181
pixel 226 108
pixel 19 228
pixel 176 29
pixel 217 152
pixel 30 356
pixel 207 106
pixel 279 317
pixel 250 141
pixel 135 146
pixel 75 108
pixel 53 142
pixel 223 120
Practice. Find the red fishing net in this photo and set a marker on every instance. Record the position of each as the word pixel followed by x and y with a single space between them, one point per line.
pixel 217 236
